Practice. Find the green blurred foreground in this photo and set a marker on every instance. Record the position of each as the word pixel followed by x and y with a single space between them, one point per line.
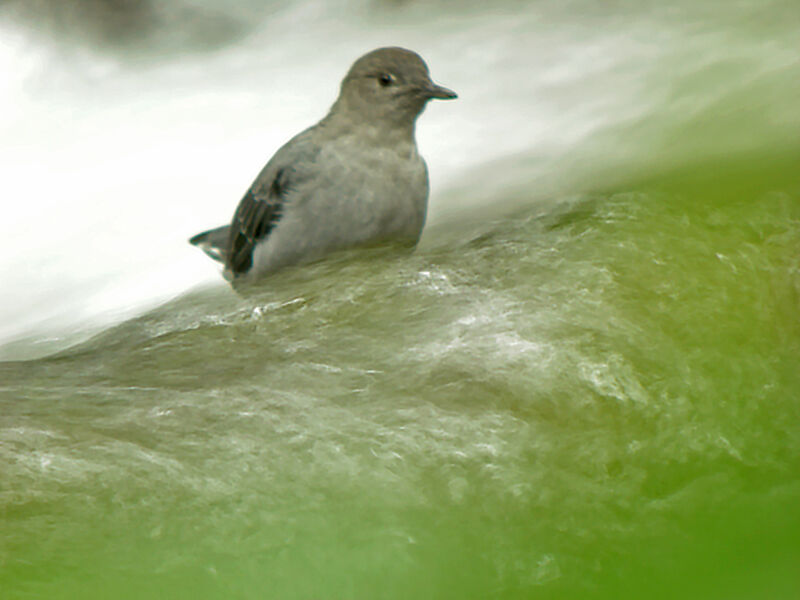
pixel 599 399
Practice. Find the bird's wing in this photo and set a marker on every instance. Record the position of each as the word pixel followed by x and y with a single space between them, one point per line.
pixel 263 204
pixel 256 216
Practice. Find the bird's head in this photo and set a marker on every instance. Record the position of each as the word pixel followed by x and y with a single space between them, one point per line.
pixel 388 86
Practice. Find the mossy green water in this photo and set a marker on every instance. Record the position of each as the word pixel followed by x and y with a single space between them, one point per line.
pixel 598 397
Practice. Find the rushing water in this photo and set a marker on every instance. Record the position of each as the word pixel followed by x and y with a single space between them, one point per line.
pixel 583 384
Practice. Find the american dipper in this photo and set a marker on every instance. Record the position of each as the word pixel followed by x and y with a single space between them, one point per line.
pixel 355 178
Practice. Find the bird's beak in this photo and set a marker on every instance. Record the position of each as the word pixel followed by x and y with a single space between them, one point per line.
pixel 437 91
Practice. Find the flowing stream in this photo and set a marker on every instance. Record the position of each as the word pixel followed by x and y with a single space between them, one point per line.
pixel 584 383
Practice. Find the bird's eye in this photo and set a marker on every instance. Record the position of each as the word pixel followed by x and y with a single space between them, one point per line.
pixel 386 79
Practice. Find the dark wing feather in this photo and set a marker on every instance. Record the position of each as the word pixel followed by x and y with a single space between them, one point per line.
pixel 256 216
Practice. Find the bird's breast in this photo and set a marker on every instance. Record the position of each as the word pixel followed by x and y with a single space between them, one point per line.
pixel 360 195
pixel 374 191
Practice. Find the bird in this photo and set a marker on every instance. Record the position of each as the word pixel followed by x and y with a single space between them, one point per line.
pixel 356 178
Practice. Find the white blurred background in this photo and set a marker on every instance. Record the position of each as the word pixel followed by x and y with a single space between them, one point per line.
pixel 127 127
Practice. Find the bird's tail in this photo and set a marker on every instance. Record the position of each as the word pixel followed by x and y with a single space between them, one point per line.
pixel 213 242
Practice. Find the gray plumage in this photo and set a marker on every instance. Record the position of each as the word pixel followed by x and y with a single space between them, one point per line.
pixel 354 178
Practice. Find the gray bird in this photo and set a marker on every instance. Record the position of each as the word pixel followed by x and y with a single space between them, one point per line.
pixel 355 178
